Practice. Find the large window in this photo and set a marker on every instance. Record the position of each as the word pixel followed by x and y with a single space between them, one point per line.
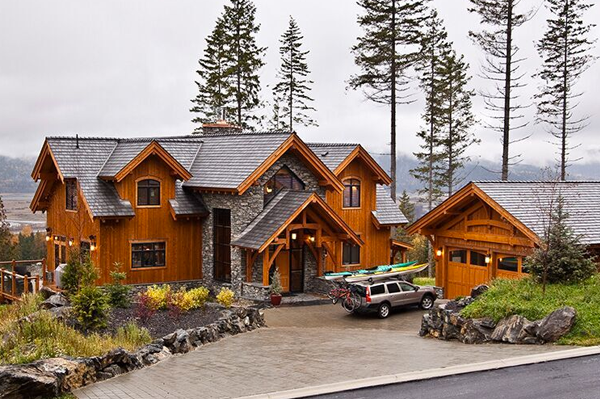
pixel 71 195
pixel 148 193
pixel 222 244
pixel 284 178
pixel 478 259
pixel 509 264
pixel 148 254
pixel 352 193
pixel 351 255
pixel 458 256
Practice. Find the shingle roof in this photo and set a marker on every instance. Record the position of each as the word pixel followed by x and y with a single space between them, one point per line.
pixel 226 160
pixel 529 203
pixel 277 211
pixel 332 154
pixel 187 202
pixel 388 212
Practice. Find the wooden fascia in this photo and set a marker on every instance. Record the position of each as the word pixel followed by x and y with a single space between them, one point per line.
pixel 84 200
pixel 375 221
pixel 39 163
pixel 313 162
pixel 313 199
pixel 154 148
pixel 360 152
pixel 400 244
pixel 39 192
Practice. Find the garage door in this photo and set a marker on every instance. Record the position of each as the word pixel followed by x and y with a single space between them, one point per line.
pixel 466 269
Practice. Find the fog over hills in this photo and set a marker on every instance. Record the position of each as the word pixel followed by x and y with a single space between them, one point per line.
pixel 15 175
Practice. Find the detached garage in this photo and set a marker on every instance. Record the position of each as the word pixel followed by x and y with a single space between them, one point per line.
pixel 487 229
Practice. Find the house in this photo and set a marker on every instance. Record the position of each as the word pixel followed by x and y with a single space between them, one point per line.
pixel 225 207
pixel 487 229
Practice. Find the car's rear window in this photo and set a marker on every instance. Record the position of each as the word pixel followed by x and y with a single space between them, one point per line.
pixel 360 290
pixel 377 290
pixel 393 288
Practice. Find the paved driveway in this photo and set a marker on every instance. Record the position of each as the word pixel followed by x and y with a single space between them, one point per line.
pixel 303 346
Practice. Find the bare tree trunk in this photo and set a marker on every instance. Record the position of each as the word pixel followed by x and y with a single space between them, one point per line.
pixel 393 105
pixel 563 148
pixel 507 90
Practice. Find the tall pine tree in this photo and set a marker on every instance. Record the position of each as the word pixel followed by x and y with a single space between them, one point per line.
pixel 501 68
pixel 457 117
pixel 5 235
pixel 385 52
pixel 406 206
pixel 294 85
pixel 434 47
pixel 229 70
pixel 565 50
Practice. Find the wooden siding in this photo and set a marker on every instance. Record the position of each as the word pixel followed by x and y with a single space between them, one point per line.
pixel 376 250
pixel 476 227
pixel 183 237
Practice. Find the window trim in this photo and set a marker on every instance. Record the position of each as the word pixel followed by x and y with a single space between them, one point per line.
pixel 137 191
pixel 74 185
pixel 351 247
pixel 153 241
pixel 360 199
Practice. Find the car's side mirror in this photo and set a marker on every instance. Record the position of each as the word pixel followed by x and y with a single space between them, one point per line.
pixel 417 288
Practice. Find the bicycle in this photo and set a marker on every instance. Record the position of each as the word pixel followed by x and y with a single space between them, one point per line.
pixel 347 296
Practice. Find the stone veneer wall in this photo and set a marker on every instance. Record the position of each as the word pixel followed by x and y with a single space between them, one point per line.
pixel 244 208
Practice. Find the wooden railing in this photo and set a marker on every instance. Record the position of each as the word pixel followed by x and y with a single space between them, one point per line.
pixel 14 285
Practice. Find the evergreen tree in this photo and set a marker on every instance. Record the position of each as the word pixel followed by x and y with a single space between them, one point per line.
pixel 501 67
pixel 457 117
pixel 434 48
pixel 5 235
pixel 293 86
pixel 407 207
pixel 229 83
pixel 244 59
pixel 214 89
pixel 385 53
pixel 565 50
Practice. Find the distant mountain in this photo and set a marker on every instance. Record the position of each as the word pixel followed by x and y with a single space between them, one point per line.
pixel 15 175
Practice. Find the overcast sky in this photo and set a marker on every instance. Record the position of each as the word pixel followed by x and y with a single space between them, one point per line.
pixel 127 68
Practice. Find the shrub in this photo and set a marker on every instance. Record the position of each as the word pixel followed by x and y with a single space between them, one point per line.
pixel 91 307
pixel 118 294
pixel 226 297
pixel 144 308
pixel 158 297
pixel 198 296
pixel 132 335
pixel 276 283
pixel 424 281
pixel 79 272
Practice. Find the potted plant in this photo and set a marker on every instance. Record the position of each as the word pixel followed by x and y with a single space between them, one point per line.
pixel 276 288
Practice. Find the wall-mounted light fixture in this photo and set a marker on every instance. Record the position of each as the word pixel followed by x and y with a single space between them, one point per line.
pixel 48 234
pixel 438 252
pixel 92 243
pixel 311 238
pixel 294 236
pixel 268 189
pixel 71 241
pixel 487 259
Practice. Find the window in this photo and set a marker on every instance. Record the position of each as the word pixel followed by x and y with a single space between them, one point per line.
pixel 85 247
pixel 393 288
pixel 478 259
pixel 352 193
pixel 458 256
pixel 71 195
pixel 508 264
pixel 60 250
pixel 148 254
pixel 377 290
pixel 148 193
pixel 351 254
pixel 407 287
pixel 222 244
pixel 284 178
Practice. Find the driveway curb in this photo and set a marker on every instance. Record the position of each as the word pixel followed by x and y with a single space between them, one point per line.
pixel 429 374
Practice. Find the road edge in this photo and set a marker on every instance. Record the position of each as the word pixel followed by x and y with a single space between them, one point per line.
pixel 428 374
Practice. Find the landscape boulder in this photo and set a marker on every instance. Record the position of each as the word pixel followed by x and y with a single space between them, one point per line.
pixel 55 301
pixel 46 292
pixel 556 324
pixel 509 329
pixel 479 290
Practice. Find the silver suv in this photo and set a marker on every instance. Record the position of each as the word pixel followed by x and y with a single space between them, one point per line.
pixel 382 296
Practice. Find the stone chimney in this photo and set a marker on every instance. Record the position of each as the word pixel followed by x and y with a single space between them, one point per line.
pixel 220 127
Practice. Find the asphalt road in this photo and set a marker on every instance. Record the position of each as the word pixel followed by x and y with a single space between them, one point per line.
pixel 577 378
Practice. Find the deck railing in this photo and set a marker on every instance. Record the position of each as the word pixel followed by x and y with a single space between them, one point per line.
pixel 13 285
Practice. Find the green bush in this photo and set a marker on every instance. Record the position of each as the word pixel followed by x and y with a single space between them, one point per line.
pixel 526 298
pixel 91 307
pixel 423 281
pixel 79 272
pixel 118 294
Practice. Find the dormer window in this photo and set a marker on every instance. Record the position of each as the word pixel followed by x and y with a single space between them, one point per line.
pixel 71 194
pixel 351 193
pixel 284 178
pixel 148 192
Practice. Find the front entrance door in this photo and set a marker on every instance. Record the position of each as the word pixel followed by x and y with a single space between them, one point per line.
pixel 296 270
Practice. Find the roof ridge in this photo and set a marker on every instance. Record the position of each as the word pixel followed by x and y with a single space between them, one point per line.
pixel 333 144
pixel 129 139
pixel 245 133
pixel 535 181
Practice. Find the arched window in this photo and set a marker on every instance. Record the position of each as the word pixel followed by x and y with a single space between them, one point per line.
pixel 284 178
pixel 148 192
pixel 352 193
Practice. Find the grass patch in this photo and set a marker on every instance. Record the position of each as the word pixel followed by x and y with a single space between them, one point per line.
pixel 524 297
pixel 424 281
pixel 45 337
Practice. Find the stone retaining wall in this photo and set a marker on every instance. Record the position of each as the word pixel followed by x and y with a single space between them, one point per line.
pixel 52 377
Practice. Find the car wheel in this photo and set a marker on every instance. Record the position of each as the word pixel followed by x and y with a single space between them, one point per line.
pixel 384 310
pixel 426 302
